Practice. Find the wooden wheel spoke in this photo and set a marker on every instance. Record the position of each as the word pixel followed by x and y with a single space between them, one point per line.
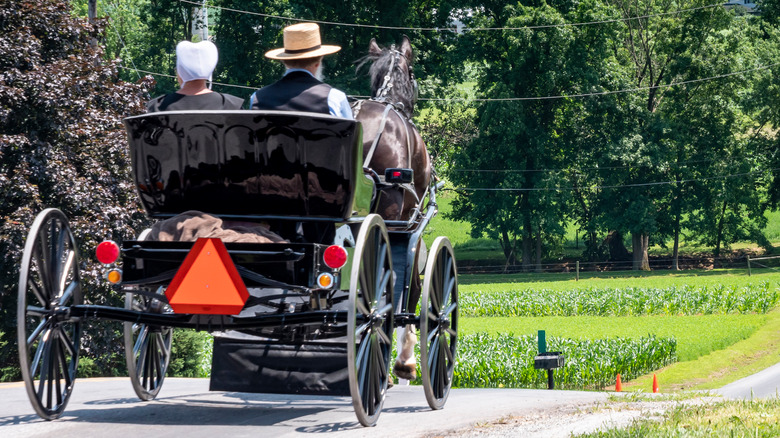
pixel 44 273
pixel 67 342
pixel 45 367
pixel 383 337
pixel 36 332
pixel 432 335
pixel 381 276
pixel 66 270
pixel 36 290
pixel 447 296
pixel 67 295
pixel 64 364
pixel 361 329
pixel 58 251
pixel 449 309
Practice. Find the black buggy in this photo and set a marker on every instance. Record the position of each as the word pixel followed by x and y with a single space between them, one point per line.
pixel 312 314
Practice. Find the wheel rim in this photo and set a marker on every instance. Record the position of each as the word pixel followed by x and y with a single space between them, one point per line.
pixel 439 323
pixel 147 348
pixel 49 338
pixel 370 320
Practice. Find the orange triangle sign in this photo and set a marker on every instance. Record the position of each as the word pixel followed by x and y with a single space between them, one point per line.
pixel 207 282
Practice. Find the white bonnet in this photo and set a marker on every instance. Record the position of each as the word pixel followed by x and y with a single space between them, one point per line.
pixel 196 60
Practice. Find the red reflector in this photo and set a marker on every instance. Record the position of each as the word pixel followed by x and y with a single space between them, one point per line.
pixel 396 174
pixel 335 256
pixel 107 252
pixel 207 282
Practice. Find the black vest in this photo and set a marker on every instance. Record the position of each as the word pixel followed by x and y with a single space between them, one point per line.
pixel 296 91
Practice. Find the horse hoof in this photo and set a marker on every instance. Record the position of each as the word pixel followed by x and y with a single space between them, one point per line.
pixel 403 371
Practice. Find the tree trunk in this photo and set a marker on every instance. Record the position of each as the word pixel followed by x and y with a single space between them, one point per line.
pixel 508 248
pixel 527 252
pixel 539 251
pixel 719 237
pixel 676 250
pixel 640 242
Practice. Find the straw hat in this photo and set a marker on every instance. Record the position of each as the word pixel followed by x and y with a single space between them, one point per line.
pixel 301 41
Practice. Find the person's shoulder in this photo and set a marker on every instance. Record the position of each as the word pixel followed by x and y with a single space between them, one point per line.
pixel 340 95
pixel 232 102
pixel 154 104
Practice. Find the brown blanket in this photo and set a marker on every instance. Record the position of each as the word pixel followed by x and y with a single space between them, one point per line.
pixel 191 225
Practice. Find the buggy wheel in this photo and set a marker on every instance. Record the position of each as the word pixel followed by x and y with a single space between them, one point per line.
pixel 147 347
pixel 370 320
pixel 49 337
pixel 439 323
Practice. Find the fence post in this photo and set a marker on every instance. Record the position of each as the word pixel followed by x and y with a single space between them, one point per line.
pixel 577 278
pixel 748 260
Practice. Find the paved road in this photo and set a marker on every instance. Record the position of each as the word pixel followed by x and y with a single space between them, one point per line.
pixel 185 407
pixel 763 384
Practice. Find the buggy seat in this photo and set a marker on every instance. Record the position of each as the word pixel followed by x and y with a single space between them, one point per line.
pixel 249 164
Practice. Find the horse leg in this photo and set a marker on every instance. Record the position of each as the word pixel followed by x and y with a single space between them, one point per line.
pixel 405 366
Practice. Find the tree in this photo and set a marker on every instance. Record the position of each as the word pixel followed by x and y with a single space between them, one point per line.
pixel 62 145
pixel 661 49
pixel 522 146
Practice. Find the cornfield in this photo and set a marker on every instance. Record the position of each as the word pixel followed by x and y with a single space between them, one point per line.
pixel 630 301
pixel 508 361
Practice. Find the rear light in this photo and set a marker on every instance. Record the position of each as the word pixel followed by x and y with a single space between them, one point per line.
pixel 335 257
pixel 114 276
pixel 107 252
pixel 325 280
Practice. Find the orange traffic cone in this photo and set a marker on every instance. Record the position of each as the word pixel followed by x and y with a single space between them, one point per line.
pixel 618 384
pixel 655 383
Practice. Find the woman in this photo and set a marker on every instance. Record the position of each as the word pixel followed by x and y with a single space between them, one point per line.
pixel 195 63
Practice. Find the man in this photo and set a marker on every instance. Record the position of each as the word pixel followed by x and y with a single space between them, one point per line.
pixel 301 89
pixel 195 62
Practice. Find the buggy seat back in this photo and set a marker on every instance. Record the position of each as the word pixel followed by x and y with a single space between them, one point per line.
pixel 248 164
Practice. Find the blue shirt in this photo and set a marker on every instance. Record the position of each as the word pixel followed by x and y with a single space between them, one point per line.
pixel 338 105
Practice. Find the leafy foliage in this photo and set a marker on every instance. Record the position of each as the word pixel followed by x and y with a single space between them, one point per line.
pixel 62 145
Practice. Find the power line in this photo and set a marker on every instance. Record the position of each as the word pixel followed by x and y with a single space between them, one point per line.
pixel 174 77
pixel 563 96
pixel 455 29
pixel 679 164
pixel 602 93
pixel 620 186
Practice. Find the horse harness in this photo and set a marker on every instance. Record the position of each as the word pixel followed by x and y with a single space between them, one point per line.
pixel 381 97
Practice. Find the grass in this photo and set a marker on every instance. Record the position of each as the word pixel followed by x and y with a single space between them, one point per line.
pixel 720 367
pixel 743 418
pixel 696 335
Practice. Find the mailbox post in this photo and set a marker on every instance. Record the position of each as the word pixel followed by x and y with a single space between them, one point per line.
pixel 548 360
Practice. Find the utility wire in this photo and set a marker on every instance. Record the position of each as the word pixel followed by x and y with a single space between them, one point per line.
pixel 121 40
pixel 563 96
pixel 174 77
pixel 454 29
pixel 589 187
pixel 602 93
pixel 577 170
